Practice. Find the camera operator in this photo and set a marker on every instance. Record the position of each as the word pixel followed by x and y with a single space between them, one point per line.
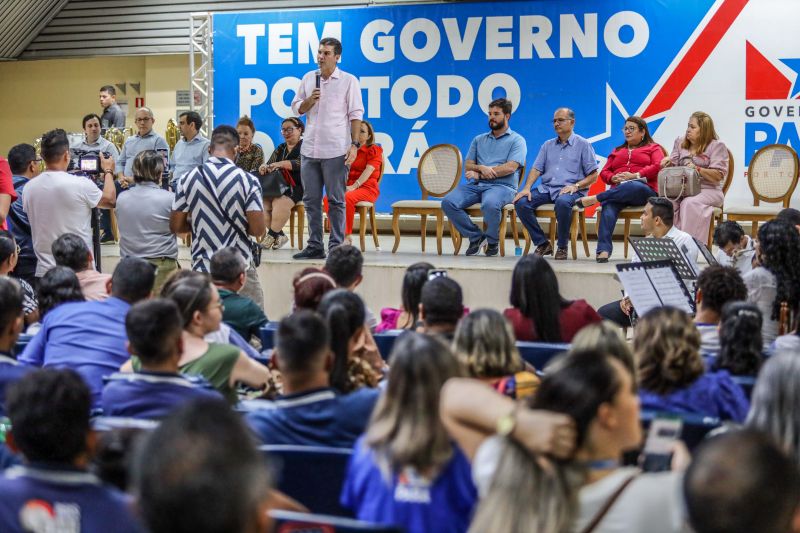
pixel 57 202
pixel 93 142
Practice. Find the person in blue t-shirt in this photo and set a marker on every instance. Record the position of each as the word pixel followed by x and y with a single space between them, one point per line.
pixel 89 337
pixel 405 470
pixel 54 491
pixel 154 329
pixel 310 412
pixel 11 323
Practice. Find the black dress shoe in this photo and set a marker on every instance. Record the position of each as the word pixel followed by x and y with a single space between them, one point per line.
pixel 492 250
pixel 602 259
pixel 475 246
pixel 544 249
pixel 310 253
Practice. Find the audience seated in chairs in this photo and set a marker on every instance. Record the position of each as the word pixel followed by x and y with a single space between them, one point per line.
pixel 345 264
pixel 356 360
pixel 716 286
pixel 406 470
pixel 11 324
pixel 223 365
pixel 407 315
pixel 154 330
pixel 776 402
pixel 49 412
pixel 310 285
pixel 59 285
pixel 741 348
pixel 672 378
pixel 527 473
pixel 9 255
pixel 70 251
pixel 484 343
pixel 538 312
pixel 741 482
pixel 736 248
pixel 229 274
pixel 89 337
pixel 200 472
pixel 441 306
pixel 777 278
pixel 607 338
pixel 311 411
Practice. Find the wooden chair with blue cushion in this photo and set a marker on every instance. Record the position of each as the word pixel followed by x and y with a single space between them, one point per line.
pixel 267 335
pixel 539 354
pixel 312 475
pixel 291 522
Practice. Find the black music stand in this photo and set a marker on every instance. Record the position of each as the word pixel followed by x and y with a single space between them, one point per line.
pixel 652 249
pixel 654 284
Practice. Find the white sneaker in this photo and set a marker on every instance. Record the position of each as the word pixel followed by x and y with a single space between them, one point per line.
pixel 280 242
pixel 267 242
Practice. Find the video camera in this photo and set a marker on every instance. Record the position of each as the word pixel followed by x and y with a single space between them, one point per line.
pixel 89 162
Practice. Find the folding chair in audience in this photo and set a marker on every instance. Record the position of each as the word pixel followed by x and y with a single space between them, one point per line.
pixel 312 475
pixel 746 383
pixel 385 341
pixel 539 354
pixel 22 342
pixel 290 522
pixel 695 427
pixel 267 335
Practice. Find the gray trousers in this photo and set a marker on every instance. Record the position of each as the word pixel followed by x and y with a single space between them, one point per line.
pixel 332 174
pixel 252 287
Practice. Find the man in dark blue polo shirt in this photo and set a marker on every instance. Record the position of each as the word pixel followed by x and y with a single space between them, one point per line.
pixel 24 166
pixel 11 324
pixel 89 337
pixel 154 329
pixel 310 412
pixel 49 412
pixel 493 166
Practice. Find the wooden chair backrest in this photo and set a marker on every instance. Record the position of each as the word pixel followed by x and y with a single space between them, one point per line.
pixel 439 170
pixel 772 174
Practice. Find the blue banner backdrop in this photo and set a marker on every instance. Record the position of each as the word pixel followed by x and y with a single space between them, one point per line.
pixel 428 71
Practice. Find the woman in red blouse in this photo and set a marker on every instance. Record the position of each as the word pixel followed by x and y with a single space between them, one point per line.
pixel 539 312
pixel 362 182
pixel 632 172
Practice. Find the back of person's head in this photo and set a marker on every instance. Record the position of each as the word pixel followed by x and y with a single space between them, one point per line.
pixel 728 232
pixel 775 402
pixel 779 250
pixel 310 285
pixel 71 251
pixel 49 413
pixel 405 429
pixel 344 264
pixel 20 156
pixel 442 302
pixel 302 343
pixel 148 165
pixel 484 343
pixel 666 345
pixel 227 265
pixel 530 493
pixel 534 291
pixel 200 472
pixel 133 279
pixel 224 138
pixel 8 248
pixel 154 329
pixel 344 312
pixel 179 275
pixel 740 482
pixel 11 297
pixel 720 285
pixel 415 277
pixel 740 339
pixel 192 294
pixel 59 285
pixel 605 337
pixel 54 144
pixel 789 215
pixel 663 209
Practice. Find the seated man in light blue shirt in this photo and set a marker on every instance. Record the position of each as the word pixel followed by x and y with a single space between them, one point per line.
pixel 145 139
pixel 192 150
pixel 92 142
pixel 568 167
pixel 492 169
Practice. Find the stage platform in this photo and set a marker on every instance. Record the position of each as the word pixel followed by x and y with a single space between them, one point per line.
pixel 486 281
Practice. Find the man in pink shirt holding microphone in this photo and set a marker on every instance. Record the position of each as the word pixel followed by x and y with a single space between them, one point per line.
pixel 331 101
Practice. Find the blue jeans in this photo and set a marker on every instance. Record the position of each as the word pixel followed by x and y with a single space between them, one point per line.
pixel 526 211
pixel 631 194
pixel 492 197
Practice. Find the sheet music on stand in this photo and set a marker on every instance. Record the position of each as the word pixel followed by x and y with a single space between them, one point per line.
pixel 652 249
pixel 654 284
pixel 705 252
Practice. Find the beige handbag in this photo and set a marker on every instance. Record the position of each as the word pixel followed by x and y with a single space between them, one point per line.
pixel 675 183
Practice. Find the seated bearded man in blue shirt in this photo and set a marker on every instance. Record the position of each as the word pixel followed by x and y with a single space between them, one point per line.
pixel 89 337
pixel 310 412
pixel 54 491
pixel 154 329
pixel 493 166
pixel 567 166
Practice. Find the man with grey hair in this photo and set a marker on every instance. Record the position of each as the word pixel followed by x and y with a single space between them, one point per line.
pixel 568 167
pixel 145 139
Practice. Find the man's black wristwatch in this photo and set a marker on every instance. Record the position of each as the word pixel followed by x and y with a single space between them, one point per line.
pixel 356 144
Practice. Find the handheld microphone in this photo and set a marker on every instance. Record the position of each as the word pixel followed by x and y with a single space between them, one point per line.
pixel 318 74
